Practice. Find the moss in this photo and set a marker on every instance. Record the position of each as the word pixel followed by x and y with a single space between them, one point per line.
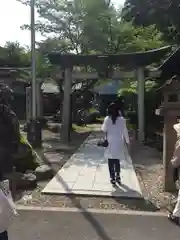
pixel 25 159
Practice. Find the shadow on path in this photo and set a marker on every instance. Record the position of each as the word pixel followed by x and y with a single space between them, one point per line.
pixel 133 204
pixel 87 215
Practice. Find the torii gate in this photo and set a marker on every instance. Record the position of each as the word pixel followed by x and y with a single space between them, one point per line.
pixel 135 63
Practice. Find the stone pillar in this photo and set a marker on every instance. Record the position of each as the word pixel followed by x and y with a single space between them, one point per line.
pixel 140 101
pixel 39 99
pixel 28 103
pixel 169 141
pixel 34 133
pixel 66 111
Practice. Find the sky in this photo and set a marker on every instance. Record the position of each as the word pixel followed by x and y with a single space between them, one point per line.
pixel 13 15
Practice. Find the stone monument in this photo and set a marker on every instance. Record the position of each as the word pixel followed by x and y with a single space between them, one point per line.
pixel 170 109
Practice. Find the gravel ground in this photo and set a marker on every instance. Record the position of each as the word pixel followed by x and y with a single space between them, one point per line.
pixel 149 169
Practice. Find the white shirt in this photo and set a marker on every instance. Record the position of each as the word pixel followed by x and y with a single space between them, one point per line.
pixel 116 135
pixel 177 129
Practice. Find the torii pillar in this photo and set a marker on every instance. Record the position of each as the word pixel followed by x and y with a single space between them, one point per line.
pixel 66 112
pixel 140 102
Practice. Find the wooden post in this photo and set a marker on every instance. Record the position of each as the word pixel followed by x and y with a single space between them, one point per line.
pixel 140 90
pixel 169 141
pixel 66 113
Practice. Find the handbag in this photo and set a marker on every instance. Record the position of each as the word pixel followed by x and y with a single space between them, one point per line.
pixel 7 208
pixel 103 143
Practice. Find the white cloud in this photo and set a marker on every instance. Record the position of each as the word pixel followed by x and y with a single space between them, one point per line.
pixel 12 15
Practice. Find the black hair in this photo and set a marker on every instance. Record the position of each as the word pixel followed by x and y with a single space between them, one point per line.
pixel 120 105
pixel 113 112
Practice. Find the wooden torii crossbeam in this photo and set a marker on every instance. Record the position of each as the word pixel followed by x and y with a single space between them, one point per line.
pixel 116 75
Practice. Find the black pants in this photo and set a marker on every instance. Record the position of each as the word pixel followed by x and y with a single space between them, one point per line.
pixel 114 168
pixel 176 174
pixel 4 236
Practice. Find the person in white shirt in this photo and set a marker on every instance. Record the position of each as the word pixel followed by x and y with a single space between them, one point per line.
pixel 114 126
pixel 174 216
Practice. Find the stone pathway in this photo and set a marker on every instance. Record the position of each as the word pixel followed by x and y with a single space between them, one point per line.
pixel 86 173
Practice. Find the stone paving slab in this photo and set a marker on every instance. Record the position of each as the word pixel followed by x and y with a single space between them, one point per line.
pixel 86 173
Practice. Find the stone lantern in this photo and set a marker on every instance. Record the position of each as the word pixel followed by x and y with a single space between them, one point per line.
pixel 170 109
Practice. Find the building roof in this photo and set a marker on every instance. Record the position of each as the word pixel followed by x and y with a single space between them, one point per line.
pixel 128 60
pixel 49 87
pixel 171 66
pixel 108 88
pixel 8 64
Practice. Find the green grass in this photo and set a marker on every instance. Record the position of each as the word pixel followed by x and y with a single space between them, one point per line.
pixel 131 126
pixel 101 119
pixel 92 110
pixel 88 128
pixel 81 129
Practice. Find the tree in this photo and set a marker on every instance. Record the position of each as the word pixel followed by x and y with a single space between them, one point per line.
pixel 163 13
pixel 85 27
pixel 82 25
pixel 12 54
pixel 132 39
pixel 79 26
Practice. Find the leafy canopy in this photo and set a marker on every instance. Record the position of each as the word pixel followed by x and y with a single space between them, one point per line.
pixel 163 13
pixel 84 26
